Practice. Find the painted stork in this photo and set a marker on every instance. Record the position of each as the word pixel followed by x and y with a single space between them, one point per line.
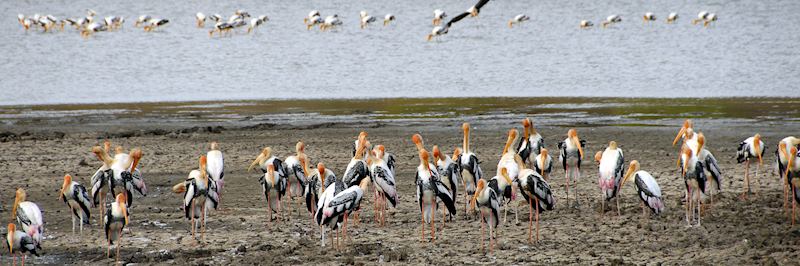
pixel 29 216
pixel 476 9
pixel 116 218
pixel 215 168
pixel 649 16
pixel 438 16
pixel 19 242
pixel 536 191
pixel 782 159
pixel 485 198
pixel 77 199
pixel 672 17
pixel 611 20
pixel 296 178
pixel 470 167
pixel 199 194
pixel 508 161
pixel 793 175
pixel 749 149
pixel 571 156
pixel 695 179
pixel 585 24
pixel 543 164
pixel 332 186
pixel 518 19
pixel 201 19
pixel 384 180
pixel 387 19
pixel 274 188
pixel 532 142
pixel 612 169
pixel 647 188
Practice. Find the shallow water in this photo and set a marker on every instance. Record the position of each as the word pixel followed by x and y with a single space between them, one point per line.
pixel 749 52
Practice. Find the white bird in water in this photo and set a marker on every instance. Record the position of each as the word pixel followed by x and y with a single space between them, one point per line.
pixel 256 22
pixel 141 20
pixel 438 16
pixel 611 20
pixel 387 19
pixel 366 19
pixel 700 17
pixel 649 16
pixel 330 22
pixel 672 17
pixel 29 216
pixel 518 19
pixel 77 199
pixel 749 149
pixel 586 24
pixel 221 28
pixel 476 9
pixel 155 23
pixel 201 19
pixel 646 187
pixel 92 28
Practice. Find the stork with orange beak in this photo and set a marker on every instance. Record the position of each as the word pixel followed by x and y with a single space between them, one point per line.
pixel 126 177
pixel 508 161
pixel 535 190
pixel 274 188
pixel 315 187
pixel 646 186
pixel 19 242
pixel 77 198
pixel 782 160
pixel 470 167
pixel 448 170
pixel 199 194
pixel 695 179
pixel 611 170
pixel 426 193
pixel 571 156
pixel 357 168
pixel 216 167
pixel 384 182
pixel 485 198
pixel 344 203
pixel 29 216
pixel 793 175
pixel 532 142
pixel 543 164
pixel 102 178
pixel 750 148
pixel 115 220
pixel 266 158
pixel 297 176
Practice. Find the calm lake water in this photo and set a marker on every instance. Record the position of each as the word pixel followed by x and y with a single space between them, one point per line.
pixel 751 51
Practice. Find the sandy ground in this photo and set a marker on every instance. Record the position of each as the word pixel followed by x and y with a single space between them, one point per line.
pixel 732 232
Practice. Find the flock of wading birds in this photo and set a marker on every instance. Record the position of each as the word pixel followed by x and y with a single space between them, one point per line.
pixel 524 168
pixel 242 19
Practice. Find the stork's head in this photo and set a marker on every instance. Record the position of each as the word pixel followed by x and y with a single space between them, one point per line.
pixel 417 139
pixel 121 201
pixel 478 190
pixel 456 154
pixel 321 171
pixel 261 158
pixel 65 185
pixel 633 168
pixel 300 147
pixel 791 160
pixel 687 124
pixel 424 158
pixel 512 136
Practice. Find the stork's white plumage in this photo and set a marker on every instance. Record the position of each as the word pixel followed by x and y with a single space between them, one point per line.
pixel 611 20
pixel 115 219
pixel 330 22
pixel 750 149
pixel 19 242
pixel 215 167
pixel 155 24
pixel 586 24
pixel 388 18
pixel 199 194
pixel 518 19
pixel 672 17
pixel 77 199
pixel 646 187
pixel 383 177
pixel 438 15
pixel 29 217
pixel 649 16
pixel 700 17
pixel 470 166
pixel 531 143
pixel 201 19
pixel 543 164
pixel 782 160
pixel 485 198
pixel 141 20
pixel 366 20
pixel 570 157
pixel 611 169
pixel 508 161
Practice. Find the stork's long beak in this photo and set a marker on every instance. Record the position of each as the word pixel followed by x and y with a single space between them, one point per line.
pixel 577 143
pixel 680 134
pixel 627 176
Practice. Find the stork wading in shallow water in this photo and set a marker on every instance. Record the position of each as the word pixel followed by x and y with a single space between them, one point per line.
pixel 750 149
pixel 585 24
pixel 438 16
pixel 199 194
pixel 470 167
pixel 536 191
pixel 611 171
pixel 610 20
pixel 330 22
pixel 782 160
pixel 695 180
pixel 672 17
pixel 518 19
pixel 531 143
pixel 485 199
pixel 155 24
pixel 77 199
pixel 201 19
pixel 366 19
pixel 29 217
pixel 649 16
pixel 388 19
pixel 115 219
pixel 570 157
pixel 646 187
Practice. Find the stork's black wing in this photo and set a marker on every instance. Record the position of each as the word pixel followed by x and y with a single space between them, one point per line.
pixel 456 19
pixel 480 4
